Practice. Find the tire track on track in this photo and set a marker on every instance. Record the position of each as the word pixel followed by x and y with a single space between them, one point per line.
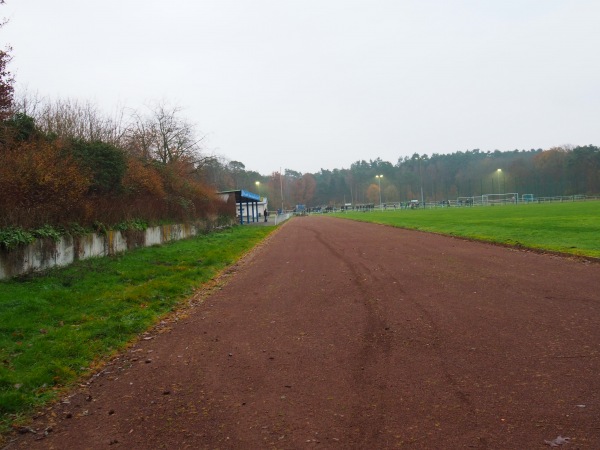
pixel 368 276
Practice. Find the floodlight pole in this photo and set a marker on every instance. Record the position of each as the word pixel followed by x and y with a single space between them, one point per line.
pixel 421 182
pixel 499 172
pixel 257 183
pixel 281 187
pixel 379 177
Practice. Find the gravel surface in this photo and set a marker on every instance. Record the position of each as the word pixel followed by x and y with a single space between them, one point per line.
pixel 347 335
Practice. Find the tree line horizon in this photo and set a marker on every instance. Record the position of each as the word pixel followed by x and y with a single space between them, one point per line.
pixel 558 171
pixel 150 164
pixel 153 164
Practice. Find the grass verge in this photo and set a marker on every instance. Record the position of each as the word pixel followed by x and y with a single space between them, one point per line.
pixel 570 228
pixel 56 327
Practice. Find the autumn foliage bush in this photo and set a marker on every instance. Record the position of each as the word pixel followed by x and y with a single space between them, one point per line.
pixel 40 185
pixel 45 180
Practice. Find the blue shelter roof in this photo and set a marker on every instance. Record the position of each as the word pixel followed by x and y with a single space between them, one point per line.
pixel 241 195
pixel 247 195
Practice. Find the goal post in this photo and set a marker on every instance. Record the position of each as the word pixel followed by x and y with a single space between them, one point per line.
pixel 468 201
pixel 509 198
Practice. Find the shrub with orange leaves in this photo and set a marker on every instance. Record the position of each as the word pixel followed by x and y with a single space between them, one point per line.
pixel 142 178
pixel 46 180
pixel 40 185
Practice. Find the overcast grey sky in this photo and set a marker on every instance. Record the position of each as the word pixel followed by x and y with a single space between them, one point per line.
pixel 311 84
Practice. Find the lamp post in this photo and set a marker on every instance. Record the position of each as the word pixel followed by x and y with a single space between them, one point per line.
pixel 421 181
pixel 257 183
pixel 379 177
pixel 499 172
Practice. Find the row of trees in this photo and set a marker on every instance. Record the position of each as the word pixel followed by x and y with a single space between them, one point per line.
pixel 553 172
pixel 64 163
pixel 283 190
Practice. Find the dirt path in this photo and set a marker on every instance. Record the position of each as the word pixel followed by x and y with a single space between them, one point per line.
pixel 346 335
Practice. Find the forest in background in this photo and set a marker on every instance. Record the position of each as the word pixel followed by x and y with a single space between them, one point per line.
pixel 559 171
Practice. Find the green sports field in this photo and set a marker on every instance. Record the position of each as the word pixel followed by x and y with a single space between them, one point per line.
pixel 570 227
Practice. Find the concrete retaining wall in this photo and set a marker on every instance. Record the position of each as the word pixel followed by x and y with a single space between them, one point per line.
pixel 46 253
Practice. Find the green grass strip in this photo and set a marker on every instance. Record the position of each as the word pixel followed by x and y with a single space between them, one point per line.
pixel 55 326
pixel 570 227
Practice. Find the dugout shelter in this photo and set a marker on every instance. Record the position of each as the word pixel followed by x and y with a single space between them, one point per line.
pixel 246 204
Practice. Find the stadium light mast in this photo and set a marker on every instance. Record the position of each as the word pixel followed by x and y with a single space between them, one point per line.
pixel 499 172
pixel 379 177
pixel 421 182
pixel 281 187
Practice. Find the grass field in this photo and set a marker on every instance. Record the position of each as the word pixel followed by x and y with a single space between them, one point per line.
pixel 572 228
pixel 55 327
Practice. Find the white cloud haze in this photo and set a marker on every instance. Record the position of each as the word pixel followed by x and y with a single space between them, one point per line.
pixel 307 84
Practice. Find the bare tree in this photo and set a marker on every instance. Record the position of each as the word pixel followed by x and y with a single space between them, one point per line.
pixel 175 136
pixel 73 119
pixel 28 103
pixel 162 134
pixel 140 136
pixel 159 133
